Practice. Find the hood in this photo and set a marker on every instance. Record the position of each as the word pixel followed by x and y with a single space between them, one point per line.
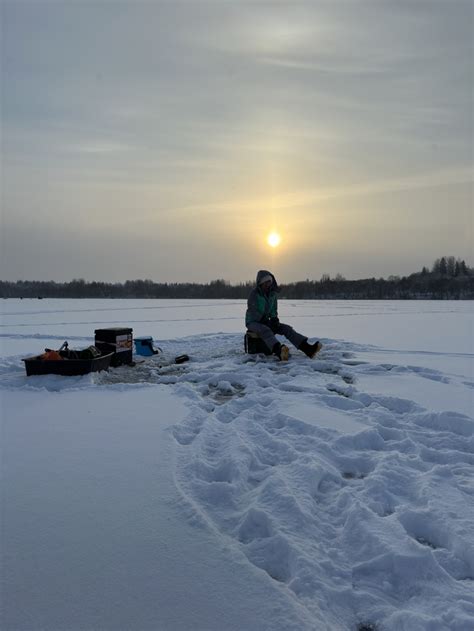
pixel 261 274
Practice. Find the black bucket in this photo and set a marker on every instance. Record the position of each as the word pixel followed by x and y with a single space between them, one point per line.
pixel 254 344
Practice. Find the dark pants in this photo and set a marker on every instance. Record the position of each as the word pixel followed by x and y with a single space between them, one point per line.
pixel 268 335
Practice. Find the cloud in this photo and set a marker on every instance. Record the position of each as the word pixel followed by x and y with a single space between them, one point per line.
pixel 313 196
pixel 343 67
pixel 98 146
pixel 199 119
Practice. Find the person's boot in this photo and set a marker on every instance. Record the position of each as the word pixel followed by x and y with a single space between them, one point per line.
pixel 310 349
pixel 281 351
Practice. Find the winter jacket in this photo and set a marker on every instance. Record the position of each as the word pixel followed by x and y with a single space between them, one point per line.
pixel 262 307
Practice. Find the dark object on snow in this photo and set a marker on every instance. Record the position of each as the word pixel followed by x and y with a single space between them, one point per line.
pixel 144 346
pixel 310 349
pixel 254 344
pixel 67 362
pixel 118 341
pixel 180 359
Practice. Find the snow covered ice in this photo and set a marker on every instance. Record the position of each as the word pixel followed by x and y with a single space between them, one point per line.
pixel 235 491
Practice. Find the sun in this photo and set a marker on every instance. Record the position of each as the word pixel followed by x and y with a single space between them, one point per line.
pixel 273 239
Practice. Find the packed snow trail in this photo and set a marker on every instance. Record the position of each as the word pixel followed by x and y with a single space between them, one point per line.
pixel 359 504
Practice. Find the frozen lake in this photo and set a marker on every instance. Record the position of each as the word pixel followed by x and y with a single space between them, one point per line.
pixel 236 492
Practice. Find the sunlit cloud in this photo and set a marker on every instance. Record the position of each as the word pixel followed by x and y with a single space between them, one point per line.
pixel 308 197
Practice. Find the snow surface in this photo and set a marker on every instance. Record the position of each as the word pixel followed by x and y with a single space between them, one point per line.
pixel 236 492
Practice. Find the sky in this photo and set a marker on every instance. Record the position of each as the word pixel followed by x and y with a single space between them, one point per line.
pixel 166 140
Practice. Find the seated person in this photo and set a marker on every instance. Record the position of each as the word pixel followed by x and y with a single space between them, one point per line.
pixel 262 318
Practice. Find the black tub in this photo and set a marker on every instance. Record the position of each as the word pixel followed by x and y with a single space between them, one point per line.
pixel 67 367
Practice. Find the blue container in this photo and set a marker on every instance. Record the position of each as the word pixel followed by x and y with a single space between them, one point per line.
pixel 144 346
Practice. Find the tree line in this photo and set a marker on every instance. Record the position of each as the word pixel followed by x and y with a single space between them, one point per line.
pixel 448 278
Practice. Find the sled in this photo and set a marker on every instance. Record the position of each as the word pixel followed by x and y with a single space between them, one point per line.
pixel 67 362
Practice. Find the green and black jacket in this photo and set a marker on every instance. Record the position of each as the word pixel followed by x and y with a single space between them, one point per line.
pixel 262 307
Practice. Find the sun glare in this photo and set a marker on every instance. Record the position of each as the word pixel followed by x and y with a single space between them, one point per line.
pixel 273 239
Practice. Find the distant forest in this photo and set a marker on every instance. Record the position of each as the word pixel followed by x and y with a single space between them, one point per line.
pixel 448 278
